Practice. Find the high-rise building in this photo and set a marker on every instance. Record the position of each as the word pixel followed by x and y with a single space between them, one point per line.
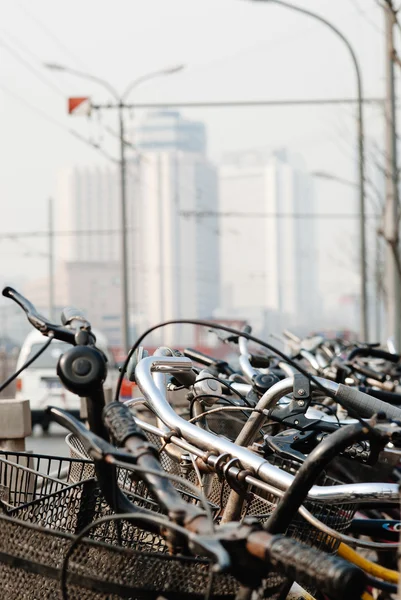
pixel 268 253
pixel 173 257
pixel 178 256
pixel 168 130
pixel 88 206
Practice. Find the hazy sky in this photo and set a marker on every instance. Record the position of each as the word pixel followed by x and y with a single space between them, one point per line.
pixel 233 49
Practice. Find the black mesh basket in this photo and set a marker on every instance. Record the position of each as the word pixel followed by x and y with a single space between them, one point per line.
pixel 25 477
pixel 259 504
pixel 44 509
pixel 31 559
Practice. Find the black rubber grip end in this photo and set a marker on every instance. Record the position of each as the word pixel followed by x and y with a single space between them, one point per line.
pixel 121 424
pixel 334 576
pixel 364 405
pixel 7 291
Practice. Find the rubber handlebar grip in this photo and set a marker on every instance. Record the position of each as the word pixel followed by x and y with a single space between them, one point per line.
pixel 367 372
pixel 364 405
pixel 334 576
pixel 389 397
pixel 199 357
pixel 186 379
pixel 259 362
pixel 374 353
pixel 120 423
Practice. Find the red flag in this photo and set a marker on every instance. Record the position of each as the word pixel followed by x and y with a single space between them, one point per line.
pixel 79 106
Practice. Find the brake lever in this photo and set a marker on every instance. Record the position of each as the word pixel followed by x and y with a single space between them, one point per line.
pixel 37 320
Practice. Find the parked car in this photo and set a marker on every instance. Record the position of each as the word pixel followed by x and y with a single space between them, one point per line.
pixel 40 384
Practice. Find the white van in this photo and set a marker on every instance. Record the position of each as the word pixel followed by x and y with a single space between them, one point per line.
pixel 40 384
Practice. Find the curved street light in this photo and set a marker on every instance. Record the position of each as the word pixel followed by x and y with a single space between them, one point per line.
pixel 361 157
pixel 120 99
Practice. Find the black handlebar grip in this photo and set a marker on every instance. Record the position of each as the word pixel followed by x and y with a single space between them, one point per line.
pixel 368 372
pixel 389 397
pixel 70 314
pixel 259 361
pixel 374 353
pixel 186 378
pixel 364 405
pixel 199 357
pixel 121 424
pixel 332 575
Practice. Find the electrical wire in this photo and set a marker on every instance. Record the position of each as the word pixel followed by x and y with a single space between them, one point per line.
pixel 222 409
pixel 229 386
pixel 45 116
pixel 363 14
pixel 28 362
pixel 32 69
pixel 51 34
pixel 330 408
pixel 164 475
pixel 370 567
pixel 382 585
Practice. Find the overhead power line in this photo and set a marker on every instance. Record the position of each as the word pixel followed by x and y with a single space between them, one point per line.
pixel 266 215
pixel 42 234
pixel 244 103
pixel 188 213
pixel 30 68
pixel 49 119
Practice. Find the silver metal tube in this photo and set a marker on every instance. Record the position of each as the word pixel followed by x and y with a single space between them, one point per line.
pixel 256 420
pixel 160 379
pixel 361 160
pixel 244 362
pixel 288 369
pixel 174 439
pixel 242 388
pixel 311 359
pixel 372 492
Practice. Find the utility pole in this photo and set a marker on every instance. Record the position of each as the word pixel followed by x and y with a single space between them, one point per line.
pixel 124 244
pixel 391 212
pixel 120 104
pixel 364 332
pixel 51 260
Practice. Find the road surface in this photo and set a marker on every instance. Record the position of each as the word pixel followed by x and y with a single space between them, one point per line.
pixel 52 442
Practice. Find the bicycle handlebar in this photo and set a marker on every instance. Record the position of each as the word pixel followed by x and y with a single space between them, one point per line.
pixel 388 397
pixel 368 492
pixel 331 575
pixel 72 319
pixel 242 545
pixel 374 353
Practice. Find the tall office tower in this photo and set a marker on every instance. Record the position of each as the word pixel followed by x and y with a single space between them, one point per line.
pixel 268 254
pixel 168 130
pixel 178 264
pixel 172 253
pixel 87 205
pixel 178 274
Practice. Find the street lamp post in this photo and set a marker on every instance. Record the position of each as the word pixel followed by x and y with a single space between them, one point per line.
pixel 361 160
pixel 121 105
pixel 377 251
